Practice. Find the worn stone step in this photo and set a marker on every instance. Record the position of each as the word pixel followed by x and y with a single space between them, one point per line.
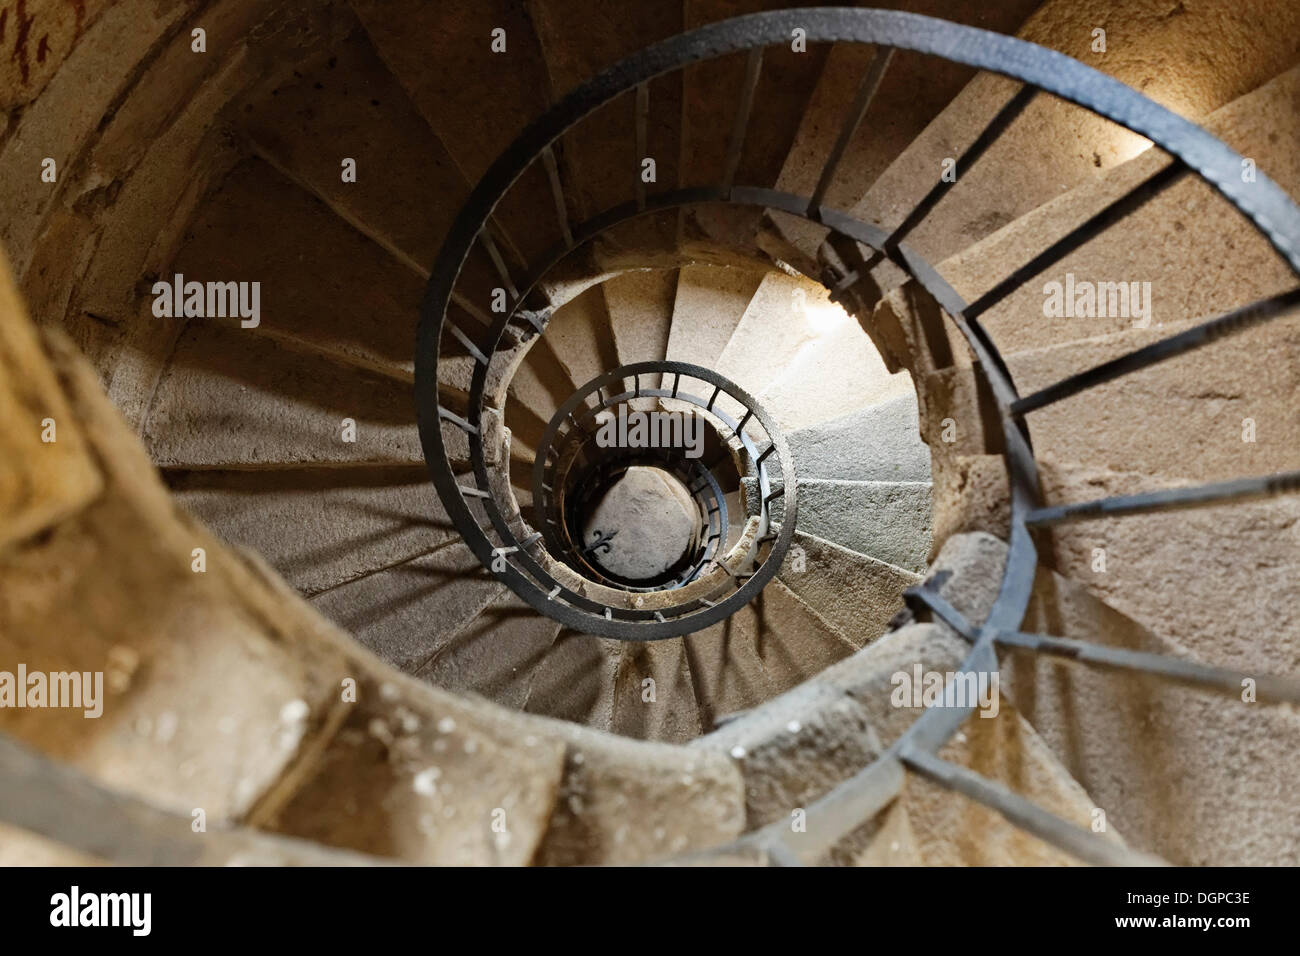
pixel 665 709
pixel 1157 244
pixel 496 655
pixel 1249 550
pixel 640 306
pixel 855 593
pixel 710 302
pixel 405 611
pixel 581 339
pixel 323 283
pixel 478 100
pixel 794 748
pixel 876 443
pixel 580 38
pixel 841 371
pixel 781 318
pixel 785 82
pixel 886 520
pixel 1212 414
pixel 575 680
pixel 1026 166
pixel 319 527
pixel 407 187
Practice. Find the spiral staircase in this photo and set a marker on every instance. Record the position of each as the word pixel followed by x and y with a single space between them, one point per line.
pixel 350 627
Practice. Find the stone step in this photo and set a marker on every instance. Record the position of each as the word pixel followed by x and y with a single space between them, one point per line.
pixel 781 318
pixel 496 655
pixel 580 38
pixel 406 611
pixel 319 527
pixel 581 338
pixel 324 285
pixel 877 443
pixel 234 398
pixel 711 92
pixel 665 708
pixel 1212 414
pixel 1157 244
pixel 855 593
pixel 1235 605
pixel 575 680
pixel 640 306
pixel 841 371
pixel 1199 783
pixel 407 188
pixel 886 520
pixel 1026 167
pixel 478 100
pixel 710 302
pixel 915 88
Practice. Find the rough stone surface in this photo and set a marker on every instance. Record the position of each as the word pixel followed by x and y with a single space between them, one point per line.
pixel 666 709
pixel 407 187
pixel 232 398
pixel 710 302
pixel 889 521
pixel 41 482
pixel 855 593
pixel 1197 777
pixel 319 527
pixel 406 611
pixel 877 443
pixel 188 658
pixel 357 303
pixel 654 519
pixel 840 371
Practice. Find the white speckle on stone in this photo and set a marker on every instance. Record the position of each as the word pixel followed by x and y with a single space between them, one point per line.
pixel 794 726
pixel 579 758
pixel 294 712
pixel 446 725
pixel 960 737
pixel 738 752
pixel 379 730
pixel 426 781
pixel 687 780
pixel 660 833
pixel 410 722
pixel 893 847
pixel 575 805
pixel 388 691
